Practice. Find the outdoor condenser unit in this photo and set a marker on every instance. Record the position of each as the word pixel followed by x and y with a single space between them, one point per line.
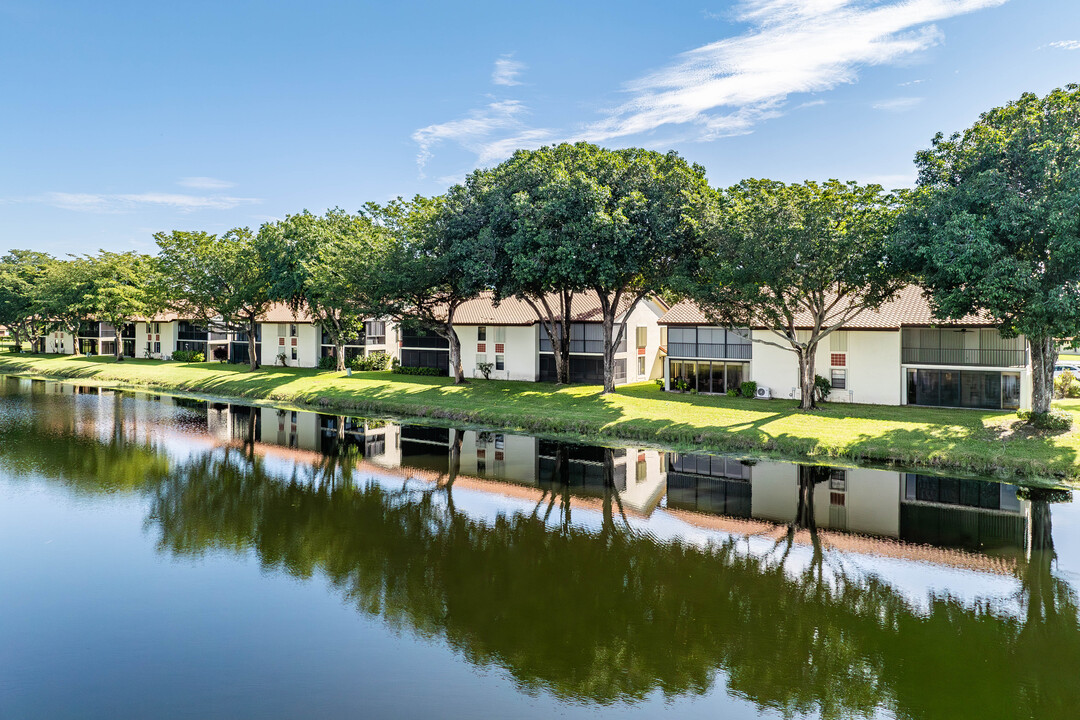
pixel 763 393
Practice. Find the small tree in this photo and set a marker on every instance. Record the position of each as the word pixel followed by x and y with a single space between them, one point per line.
pixel 228 278
pixel 994 225
pixel 801 260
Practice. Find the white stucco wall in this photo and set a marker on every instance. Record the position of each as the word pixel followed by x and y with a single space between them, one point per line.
pixel 521 356
pixel 167 335
pixel 644 315
pixel 276 340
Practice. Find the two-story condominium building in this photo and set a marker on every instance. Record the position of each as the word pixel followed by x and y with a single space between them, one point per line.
pixel 510 338
pixel 897 355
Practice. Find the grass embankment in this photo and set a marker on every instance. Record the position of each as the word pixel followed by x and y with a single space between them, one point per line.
pixel 972 440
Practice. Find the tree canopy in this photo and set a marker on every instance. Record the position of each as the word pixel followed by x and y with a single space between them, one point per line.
pixel 993 226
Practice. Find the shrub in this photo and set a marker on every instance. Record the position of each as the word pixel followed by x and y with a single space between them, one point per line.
pixel 748 388
pixel 406 370
pixel 659 383
pixel 680 384
pixel 283 360
pixel 1053 420
pixel 1066 385
pixel 822 388
pixel 221 353
pixel 732 392
pixel 485 369
pixel 328 362
pixel 190 356
pixel 377 360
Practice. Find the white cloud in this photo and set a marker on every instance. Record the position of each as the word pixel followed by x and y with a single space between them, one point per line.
pixel 1065 45
pixel 112 203
pixel 794 46
pixel 506 70
pixel 474 132
pixel 899 104
pixel 911 82
pixel 205 183
pixel 727 87
pixel 809 104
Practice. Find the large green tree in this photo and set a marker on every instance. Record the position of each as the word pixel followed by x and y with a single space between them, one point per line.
pixel 994 225
pixel 613 223
pixel 123 288
pixel 325 265
pixel 802 260
pixel 65 296
pixel 227 279
pixel 20 273
pixel 438 259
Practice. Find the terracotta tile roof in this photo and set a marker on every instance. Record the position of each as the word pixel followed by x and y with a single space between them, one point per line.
pixel 282 313
pixel 908 308
pixel 512 311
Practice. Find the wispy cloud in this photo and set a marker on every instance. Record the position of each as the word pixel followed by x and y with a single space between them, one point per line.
pixel 475 131
pixel 793 46
pixel 899 104
pixel 126 202
pixel 809 104
pixel 507 70
pixel 1065 45
pixel 205 183
pixel 727 87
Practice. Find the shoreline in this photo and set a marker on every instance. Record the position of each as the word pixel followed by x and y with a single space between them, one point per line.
pixel 902 438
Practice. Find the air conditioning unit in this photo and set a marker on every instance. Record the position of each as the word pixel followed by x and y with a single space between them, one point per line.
pixel 763 393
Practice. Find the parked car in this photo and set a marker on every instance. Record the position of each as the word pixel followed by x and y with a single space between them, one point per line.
pixel 1072 367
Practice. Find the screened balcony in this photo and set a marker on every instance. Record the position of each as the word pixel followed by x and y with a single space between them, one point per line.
pixel 710 343
pixel 983 347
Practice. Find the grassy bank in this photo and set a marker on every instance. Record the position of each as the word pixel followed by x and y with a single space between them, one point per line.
pixel 977 441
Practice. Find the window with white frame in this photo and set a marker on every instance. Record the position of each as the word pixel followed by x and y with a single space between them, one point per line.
pixel 641 366
pixel 500 362
pixel 839 379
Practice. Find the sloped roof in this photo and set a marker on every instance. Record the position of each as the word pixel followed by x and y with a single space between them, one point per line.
pixel 482 310
pixel 909 308
pixel 282 313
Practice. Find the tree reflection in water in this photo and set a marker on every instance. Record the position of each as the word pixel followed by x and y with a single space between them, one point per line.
pixel 607 614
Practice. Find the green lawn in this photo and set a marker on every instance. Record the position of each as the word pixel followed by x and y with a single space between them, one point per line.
pixel 979 441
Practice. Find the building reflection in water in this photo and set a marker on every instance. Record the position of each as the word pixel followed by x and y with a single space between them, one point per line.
pixel 966 514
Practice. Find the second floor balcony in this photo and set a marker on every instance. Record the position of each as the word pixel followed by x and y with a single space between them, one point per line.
pixel 711 351
pixel 985 357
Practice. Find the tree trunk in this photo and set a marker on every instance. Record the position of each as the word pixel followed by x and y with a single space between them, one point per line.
pixel 562 360
pixel 339 354
pixel 807 376
pixel 609 351
pixel 75 351
pixel 1043 357
pixel 118 345
pixel 455 354
pixel 253 358
pixel 15 339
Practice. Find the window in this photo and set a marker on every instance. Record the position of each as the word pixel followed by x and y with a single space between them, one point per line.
pixel 663 336
pixel 838 479
pixel 481 358
pixel 375 330
pixel 839 379
pixel 641 366
pixel 292 331
pixel 500 362
pixel 838 359
pixel 157 348
pixel 481 334
pixel 294 352
pixel 642 337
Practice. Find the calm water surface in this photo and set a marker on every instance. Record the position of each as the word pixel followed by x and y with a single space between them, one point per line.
pixel 169 558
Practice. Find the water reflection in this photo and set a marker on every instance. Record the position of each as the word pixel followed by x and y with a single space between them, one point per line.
pixel 602 575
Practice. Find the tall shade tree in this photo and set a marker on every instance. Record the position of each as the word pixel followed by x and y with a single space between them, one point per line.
pixel 994 225
pixel 534 229
pixel 20 273
pixel 122 289
pixel 438 258
pixel 326 265
pixel 227 278
pixel 614 223
pixel 802 260
pixel 65 296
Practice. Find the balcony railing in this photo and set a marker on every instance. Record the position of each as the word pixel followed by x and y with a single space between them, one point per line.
pixel 425 341
pixel 963 356
pixel 712 351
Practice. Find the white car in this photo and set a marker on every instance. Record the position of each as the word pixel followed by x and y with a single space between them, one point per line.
pixel 1072 367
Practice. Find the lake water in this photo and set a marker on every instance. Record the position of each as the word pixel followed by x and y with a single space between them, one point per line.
pixel 175 558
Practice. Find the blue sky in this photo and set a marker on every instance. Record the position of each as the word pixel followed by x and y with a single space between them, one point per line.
pixel 119 119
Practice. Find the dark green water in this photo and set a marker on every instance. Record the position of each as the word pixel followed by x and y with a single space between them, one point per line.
pixel 165 558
